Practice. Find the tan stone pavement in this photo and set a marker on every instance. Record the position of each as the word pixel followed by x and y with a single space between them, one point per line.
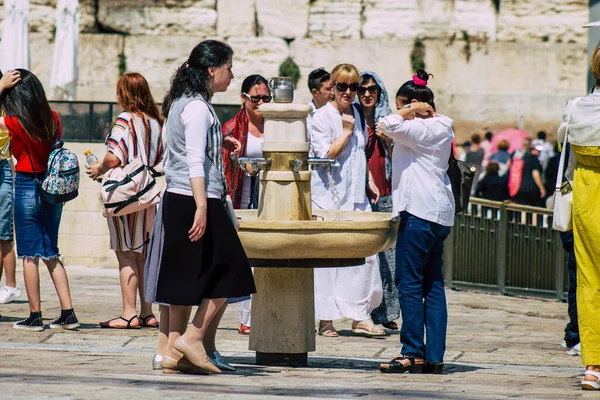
pixel 498 347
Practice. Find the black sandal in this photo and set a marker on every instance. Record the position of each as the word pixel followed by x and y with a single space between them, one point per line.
pixel 396 367
pixel 429 368
pixel 390 325
pixel 145 324
pixel 106 324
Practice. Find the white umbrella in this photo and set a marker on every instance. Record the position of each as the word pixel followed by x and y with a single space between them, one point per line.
pixel 14 43
pixel 63 80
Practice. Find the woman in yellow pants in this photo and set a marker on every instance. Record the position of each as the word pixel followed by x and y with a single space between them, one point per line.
pixel 581 121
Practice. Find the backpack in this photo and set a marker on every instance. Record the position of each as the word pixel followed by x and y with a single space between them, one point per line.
pixel 131 188
pixel 61 183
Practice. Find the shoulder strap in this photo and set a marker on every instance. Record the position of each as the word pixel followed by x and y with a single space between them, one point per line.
pixel 141 149
pixel 563 153
pixel 361 113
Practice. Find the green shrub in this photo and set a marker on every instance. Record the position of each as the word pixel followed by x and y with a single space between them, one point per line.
pixel 290 69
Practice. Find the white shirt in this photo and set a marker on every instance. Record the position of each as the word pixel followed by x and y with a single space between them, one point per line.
pixel 253 149
pixel 350 171
pixel 420 184
pixel 310 116
pixel 197 119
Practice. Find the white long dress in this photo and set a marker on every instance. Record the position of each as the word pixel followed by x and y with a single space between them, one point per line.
pixel 253 149
pixel 346 292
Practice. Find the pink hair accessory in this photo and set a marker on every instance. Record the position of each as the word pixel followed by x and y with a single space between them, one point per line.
pixel 418 81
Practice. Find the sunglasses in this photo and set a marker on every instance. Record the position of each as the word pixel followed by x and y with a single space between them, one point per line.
pixel 373 89
pixel 342 87
pixel 256 99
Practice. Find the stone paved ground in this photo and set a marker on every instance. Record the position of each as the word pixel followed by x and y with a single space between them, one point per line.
pixel 498 347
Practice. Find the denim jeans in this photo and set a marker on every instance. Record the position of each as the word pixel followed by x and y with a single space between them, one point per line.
pixel 419 250
pixel 6 200
pixel 36 222
pixel 572 328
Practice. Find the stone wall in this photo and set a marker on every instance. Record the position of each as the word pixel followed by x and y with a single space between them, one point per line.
pixel 497 63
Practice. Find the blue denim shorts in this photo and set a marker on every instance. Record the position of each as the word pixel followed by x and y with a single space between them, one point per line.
pixel 6 201
pixel 36 222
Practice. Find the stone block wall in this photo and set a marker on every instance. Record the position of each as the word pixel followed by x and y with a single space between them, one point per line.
pixel 497 63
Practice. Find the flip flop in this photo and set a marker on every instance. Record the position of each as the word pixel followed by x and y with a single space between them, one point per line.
pixel 106 324
pixel 147 317
pixel 372 331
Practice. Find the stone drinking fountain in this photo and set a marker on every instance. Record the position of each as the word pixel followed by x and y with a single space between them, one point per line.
pixel 285 239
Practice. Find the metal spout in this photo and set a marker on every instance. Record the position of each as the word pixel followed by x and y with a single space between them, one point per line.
pixel 315 162
pixel 255 162
pixel 296 165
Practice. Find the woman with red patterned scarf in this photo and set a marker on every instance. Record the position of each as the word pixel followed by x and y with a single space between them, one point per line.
pixel 247 127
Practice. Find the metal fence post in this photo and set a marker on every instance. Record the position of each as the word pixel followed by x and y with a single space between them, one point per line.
pixel 559 267
pixel 501 246
pixel 449 258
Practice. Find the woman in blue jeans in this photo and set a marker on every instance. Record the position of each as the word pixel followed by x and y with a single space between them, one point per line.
pixel 422 197
pixel 33 128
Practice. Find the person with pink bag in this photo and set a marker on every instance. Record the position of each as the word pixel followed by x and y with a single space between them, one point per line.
pixel 136 134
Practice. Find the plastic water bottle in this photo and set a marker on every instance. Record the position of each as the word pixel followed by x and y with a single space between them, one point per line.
pixel 90 158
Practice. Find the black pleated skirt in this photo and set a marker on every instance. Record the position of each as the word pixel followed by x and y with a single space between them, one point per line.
pixel 213 267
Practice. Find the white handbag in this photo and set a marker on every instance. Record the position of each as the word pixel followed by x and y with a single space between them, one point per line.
pixel 562 200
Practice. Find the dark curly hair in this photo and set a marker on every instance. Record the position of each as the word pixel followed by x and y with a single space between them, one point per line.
pixel 192 78
pixel 411 91
pixel 27 101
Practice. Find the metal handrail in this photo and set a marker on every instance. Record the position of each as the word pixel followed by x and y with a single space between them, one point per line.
pixel 508 248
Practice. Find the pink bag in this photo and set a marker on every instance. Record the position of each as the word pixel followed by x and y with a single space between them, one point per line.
pixel 131 188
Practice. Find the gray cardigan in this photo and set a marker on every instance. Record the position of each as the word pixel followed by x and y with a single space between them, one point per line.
pixel 176 167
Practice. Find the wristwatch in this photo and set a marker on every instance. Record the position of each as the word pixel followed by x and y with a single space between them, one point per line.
pixel 391 146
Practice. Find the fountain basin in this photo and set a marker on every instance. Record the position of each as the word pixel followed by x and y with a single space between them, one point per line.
pixel 356 236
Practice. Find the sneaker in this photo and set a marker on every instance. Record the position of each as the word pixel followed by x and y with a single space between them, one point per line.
pixel 68 321
pixel 574 351
pixel 8 294
pixel 564 345
pixel 32 323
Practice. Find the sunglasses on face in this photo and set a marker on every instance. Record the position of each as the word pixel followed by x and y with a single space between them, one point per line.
pixel 373 89
pixel 256 99
pixel 342 87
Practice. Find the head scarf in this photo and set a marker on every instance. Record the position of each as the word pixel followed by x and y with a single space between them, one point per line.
pixel 382 108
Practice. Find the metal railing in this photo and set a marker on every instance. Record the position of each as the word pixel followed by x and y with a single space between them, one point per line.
pixel 91 121
pixel 508 248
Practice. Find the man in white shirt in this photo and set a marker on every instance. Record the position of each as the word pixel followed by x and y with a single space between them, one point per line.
pixel 321 88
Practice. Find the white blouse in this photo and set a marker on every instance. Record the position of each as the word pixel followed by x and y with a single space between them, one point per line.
pixel 350 170
pixel 420 184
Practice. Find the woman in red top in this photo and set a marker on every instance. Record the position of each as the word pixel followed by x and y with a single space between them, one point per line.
pixel 374 100
pixel 34 128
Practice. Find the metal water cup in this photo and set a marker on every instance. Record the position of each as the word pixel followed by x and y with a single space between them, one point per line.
pixel 282 89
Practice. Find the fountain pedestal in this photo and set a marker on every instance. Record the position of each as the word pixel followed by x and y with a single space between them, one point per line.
pixel 284 241
pixel 283 316
pixel 283 310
